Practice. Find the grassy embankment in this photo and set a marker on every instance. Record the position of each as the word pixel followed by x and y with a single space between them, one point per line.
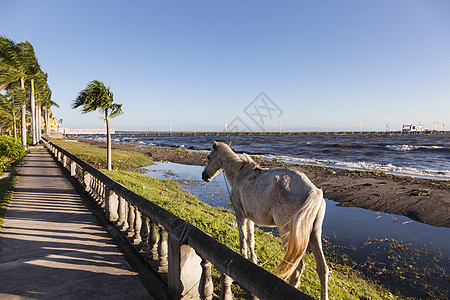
pixel 96 156
pixel 344 283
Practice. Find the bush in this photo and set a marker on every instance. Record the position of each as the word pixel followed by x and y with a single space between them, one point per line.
pixel 9 151
pixel 3 165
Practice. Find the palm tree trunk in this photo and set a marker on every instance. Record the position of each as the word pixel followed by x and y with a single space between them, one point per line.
pixel 15 128
pixel 14 121
pixel 24 114
pixel 33 113
pixel 46 123
pixel 108 141
pixel 38 123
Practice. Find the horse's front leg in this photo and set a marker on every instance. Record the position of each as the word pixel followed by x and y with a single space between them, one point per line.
pixel 251 240
pixel 241 220
pixel 242 226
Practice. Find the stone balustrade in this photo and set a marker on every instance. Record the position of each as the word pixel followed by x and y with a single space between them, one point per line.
pixel 179 252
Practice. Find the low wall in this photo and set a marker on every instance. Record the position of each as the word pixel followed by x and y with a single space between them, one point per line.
pixel 178 251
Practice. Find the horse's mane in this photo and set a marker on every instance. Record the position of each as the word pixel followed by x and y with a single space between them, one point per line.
pixel 237 161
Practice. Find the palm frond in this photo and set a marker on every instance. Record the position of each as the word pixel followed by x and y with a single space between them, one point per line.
pixel 116 110
pixel 9 74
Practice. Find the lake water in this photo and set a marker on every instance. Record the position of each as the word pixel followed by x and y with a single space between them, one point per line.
pixel 417 155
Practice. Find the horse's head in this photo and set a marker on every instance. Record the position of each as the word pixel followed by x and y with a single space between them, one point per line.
pixel 214 165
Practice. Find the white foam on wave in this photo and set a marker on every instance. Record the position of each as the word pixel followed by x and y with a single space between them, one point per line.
pixel 364 166
pixel 410 147
pixel 100 139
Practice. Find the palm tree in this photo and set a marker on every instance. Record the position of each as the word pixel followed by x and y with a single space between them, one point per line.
pixel 9 113
pixel 46 107
pixel 18 63
pixel 43 103
pixel 98 97
pixel 10 108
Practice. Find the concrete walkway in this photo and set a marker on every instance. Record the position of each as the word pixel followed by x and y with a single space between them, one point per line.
pixel 52 247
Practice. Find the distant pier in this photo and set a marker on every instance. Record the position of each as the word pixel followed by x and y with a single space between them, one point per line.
pixel 84 131
pixel 263 133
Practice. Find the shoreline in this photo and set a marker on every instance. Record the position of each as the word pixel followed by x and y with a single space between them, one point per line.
pixel 422 200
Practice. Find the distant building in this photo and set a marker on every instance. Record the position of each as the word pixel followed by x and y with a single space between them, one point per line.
pixel 412 128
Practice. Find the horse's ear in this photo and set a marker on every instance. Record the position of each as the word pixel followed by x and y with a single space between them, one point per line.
pixel 215 145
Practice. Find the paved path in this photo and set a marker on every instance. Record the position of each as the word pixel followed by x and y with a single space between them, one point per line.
pixel 52 247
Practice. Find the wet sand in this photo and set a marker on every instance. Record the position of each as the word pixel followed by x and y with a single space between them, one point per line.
pixel 423 200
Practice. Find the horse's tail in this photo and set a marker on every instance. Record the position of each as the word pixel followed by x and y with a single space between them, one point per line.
pixel 299 233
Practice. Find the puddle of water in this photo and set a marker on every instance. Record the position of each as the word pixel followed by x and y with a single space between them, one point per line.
pixel 349 226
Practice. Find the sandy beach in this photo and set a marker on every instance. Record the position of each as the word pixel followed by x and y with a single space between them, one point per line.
pixel 423 200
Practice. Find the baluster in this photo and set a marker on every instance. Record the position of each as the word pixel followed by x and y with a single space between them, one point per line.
pixel 162 249
pixel 143 246
pixel 87 181
pixel 72 168
pixel 77 174
pixel 122 221
pixel 111 205
pixel 206 284
pixel 153 242
pixel 226 282
pixel 80 175
pixel 137 227
pixel 92 185
pixel 94 188
pixel 99 192
pixel 131 217
pixel 102 195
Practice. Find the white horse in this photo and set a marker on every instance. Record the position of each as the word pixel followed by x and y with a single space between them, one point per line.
pixel 283 198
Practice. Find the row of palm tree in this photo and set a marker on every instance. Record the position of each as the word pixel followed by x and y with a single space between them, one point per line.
pixel 23 79
pixel 26 87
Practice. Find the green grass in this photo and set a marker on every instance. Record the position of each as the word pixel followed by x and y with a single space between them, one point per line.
pixel 344 283
pixel 6 191
pixel 95 156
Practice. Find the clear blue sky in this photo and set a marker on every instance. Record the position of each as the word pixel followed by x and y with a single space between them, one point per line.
pixel 332 64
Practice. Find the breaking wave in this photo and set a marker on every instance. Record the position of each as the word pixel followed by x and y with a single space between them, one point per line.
pixel 404 148
pixel 364 166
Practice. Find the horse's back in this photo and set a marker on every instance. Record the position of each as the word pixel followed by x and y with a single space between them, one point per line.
pixel 269 192
pixel 290 181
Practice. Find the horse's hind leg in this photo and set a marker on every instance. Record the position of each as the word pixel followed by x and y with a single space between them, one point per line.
pixel 315 243
pixel 295 277
pixel 251 240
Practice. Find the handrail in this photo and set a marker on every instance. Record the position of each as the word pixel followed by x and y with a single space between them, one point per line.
pixel 182 254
